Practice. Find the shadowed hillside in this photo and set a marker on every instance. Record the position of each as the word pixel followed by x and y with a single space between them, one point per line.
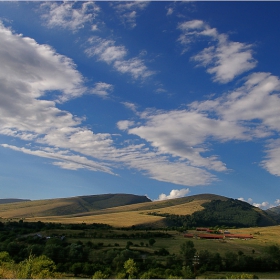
pixel 126 210
pixel 12 200
pixel 68 206
pixel 274 212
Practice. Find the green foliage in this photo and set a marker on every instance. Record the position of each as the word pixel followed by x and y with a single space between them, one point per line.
pixel 5 257
pixel 187 251
pixel 131 268
pixel 152 241
pixel 187 273
pixel 229 213
pixel 36 268
pixel 100 275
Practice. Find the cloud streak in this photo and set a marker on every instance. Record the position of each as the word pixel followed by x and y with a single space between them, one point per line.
pixel 107 51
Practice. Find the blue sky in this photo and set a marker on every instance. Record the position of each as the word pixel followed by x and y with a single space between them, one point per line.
pixel 164 99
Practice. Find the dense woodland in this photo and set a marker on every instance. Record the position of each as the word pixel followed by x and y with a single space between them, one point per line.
pixel 229 213
pixel 26 254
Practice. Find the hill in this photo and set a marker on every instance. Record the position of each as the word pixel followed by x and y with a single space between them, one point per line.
pixel 12 200
pixel 274 212
pixel 125 210
pixel 67 206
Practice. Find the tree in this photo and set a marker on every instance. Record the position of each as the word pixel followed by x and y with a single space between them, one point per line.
pixel 36 268
pixel 131 268
pixel 152 241
pixel 100 275
pixel 187 250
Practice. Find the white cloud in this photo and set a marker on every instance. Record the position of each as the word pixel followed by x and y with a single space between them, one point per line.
pixel 169 11
pixel 174 194
pixel 225 59
pixel 134 66
pixel 183 134
pixel 128 11
pixel 263 205
pixel 124 125
pixel 31 72
pixel 277 201
pixel 102 89
pixel 130 106
pixel 272 161
pixel 105 50
pixel 64 159
pixel 67 15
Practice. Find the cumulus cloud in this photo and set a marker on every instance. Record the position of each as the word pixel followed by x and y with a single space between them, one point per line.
pixel 128 11
pixel 224 59
pixel 106 50
pixel 263 205
pixel 69 15
pixel 174 194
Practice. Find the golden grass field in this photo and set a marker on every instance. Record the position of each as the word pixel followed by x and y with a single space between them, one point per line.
pixel 29 208
pixel 122 216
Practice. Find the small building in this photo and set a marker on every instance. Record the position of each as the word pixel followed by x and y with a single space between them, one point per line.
pixel 202 229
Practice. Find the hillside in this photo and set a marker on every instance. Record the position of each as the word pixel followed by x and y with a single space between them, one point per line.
pixel 274 212
pixel 68 206
pixel 126 210
pixel 12 200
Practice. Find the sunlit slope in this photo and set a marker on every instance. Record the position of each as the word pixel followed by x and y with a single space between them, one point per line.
pixel 137 214
pixel 67 206
pixel 122 210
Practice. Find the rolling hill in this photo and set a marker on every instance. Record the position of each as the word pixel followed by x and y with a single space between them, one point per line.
pixel 12 200
pixel 274 212
pixel 67 206
pixel 125 210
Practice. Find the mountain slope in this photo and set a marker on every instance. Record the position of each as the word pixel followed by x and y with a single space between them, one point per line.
pixel 12 200
pixel 274 212
pixel 68 206
pixel 125 210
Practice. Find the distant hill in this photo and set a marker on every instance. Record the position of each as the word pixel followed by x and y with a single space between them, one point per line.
pixel 274 212
pixel 124 210
pixel 68 206
pixel 12 200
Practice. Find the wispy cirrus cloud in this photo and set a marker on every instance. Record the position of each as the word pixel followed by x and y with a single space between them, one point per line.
pixel 128 11
pixel 224 59
pixel 33 71
pixel 69 15
pixel 248 113
pixel 107 51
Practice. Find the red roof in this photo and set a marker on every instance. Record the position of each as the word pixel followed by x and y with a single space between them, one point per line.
pixel 202 229
pixel 239 235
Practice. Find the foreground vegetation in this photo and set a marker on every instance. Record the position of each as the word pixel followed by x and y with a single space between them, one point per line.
pixel 48 250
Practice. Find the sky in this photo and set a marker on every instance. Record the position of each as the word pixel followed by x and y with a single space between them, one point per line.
pixel 163 99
